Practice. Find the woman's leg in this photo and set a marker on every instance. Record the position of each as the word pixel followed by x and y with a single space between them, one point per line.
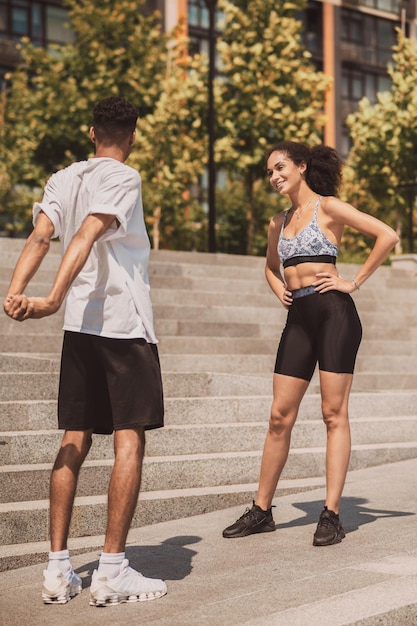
pixel 335 389
pixel 288 393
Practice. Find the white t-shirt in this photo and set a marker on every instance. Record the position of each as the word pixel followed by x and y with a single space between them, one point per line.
pixel 111 296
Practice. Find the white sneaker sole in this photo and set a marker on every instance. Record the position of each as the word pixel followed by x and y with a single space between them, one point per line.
pixel 115 598
pixel 61 597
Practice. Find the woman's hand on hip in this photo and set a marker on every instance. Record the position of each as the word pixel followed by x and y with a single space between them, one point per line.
pixel 326 281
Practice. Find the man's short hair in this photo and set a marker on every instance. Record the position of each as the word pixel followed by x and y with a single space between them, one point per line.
pixel 114 118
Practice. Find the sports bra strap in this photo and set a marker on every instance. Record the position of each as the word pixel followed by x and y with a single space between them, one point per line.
pixel 320 258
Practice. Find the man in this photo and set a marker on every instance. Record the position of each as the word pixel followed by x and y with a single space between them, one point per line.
pixel 110 377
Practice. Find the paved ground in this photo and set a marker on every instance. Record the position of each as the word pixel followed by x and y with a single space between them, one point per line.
pixel 274 579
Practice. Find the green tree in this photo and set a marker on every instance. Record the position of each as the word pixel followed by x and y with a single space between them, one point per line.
pixel 269 90
pixel 118 51
pixel 384 139
pixel 172 151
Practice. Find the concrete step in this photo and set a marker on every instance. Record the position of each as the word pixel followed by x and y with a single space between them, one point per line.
pixel 43 386
pixel 29 362
pixel 176 345
pixel 41 414
pixel 25 456
pixel 221 314
pixel 48 325
pixel 34 342
pixel 374 381
pixel 28 521
pixel 264 363
pixel 186 297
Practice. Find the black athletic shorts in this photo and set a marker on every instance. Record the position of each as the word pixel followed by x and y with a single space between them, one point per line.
pixel 323 328
pixel 109 384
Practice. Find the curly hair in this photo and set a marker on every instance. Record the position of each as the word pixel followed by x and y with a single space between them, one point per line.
pixel 114 118
pixel 323 165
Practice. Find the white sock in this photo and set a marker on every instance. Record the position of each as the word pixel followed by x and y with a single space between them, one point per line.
pixel 109 564
pixel 59 560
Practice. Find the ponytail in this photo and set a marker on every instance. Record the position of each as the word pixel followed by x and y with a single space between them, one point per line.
pixel 323 165
pixel 324 171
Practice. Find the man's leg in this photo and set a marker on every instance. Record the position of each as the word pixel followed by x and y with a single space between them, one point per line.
pixel 129 448
pixel 114 581
pixel 74 448
pixel 60 582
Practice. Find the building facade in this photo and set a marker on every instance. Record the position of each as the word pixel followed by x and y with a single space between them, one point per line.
pixel 350 40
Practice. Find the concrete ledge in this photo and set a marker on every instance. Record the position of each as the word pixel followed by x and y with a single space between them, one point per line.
pixel 405 262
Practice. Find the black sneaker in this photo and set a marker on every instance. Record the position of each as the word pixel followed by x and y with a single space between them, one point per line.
pixel 254 520
pixel 329 529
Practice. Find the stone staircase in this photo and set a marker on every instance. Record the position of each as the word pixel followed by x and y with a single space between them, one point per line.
pixel 218 325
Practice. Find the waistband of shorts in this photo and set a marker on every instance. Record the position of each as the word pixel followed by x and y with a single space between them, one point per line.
pixel 304 291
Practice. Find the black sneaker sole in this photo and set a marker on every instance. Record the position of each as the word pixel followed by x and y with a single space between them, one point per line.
pixel 250 531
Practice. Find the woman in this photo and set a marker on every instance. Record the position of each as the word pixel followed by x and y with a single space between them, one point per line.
pixel 322 324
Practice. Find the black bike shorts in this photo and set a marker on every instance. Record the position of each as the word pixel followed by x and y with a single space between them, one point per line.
pixel 320 328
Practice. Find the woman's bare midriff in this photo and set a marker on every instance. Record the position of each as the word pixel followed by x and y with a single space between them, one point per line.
pixel 305 274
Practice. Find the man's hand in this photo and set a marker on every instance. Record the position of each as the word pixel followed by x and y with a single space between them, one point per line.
pixel 17 307
pixel 21 308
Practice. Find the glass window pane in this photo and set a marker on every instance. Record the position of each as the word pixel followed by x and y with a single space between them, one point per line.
pixel 345 86
pixel 356 31
pixel 20 21
pixel 36 21
pixel 192 15
pixel 205 18
pixel 56 18
pixel 357 88
pixel 384 83
pixel 3 18
pixel 384 57
pixel 204 46
pixel 370 91
pixel 384 32
pixel 387 5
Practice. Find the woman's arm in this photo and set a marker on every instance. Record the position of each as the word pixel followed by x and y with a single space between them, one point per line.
pixel 272 267
pixel 342 213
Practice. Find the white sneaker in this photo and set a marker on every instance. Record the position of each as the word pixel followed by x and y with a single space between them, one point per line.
pixel 128 586
pixel 58 588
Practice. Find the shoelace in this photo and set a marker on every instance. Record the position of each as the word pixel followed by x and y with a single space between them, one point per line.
pixel 327 522
pixel 248 513
pixel 251 514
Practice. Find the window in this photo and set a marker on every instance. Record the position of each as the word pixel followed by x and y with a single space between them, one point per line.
pixel 198 13
pixel 313 27
pixel 56 28
pixel 44 22
pixel 391 6
pixel 198 27
pixel 358 84
pixel 372 37
pixel 353 27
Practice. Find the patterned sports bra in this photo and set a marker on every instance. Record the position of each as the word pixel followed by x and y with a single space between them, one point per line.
pixel 309 246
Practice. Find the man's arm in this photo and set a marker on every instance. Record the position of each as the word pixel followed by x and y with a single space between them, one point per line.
pixel 72 263
pixel 32 255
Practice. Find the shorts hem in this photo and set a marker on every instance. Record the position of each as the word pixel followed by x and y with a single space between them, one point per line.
pixel 299 376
